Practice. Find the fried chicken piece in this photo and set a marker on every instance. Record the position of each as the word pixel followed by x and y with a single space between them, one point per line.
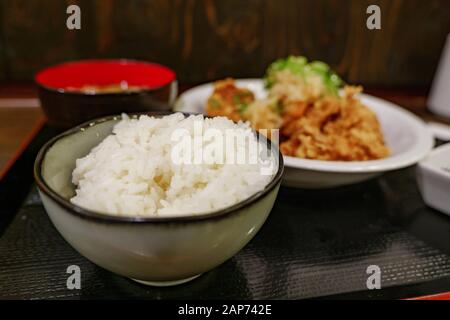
pixel 264 116
pixel 329 127
pixel 228 100
pixel 288 85
pixel 335 128
pixel 292 111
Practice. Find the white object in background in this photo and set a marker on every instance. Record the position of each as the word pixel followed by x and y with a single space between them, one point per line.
pixel 433 178
pixel 439 101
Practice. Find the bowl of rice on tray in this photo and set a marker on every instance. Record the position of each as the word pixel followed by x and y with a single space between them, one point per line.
pixel 160 198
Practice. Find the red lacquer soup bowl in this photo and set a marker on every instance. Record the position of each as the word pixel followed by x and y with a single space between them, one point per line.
pixel 75 92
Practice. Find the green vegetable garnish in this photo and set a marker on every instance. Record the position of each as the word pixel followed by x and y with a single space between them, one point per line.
pixel 242 107
pixel 277 107
pixel 300 67
pixel 214 103
pixel 237 99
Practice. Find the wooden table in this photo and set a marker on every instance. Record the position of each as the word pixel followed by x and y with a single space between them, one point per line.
pixel 20 119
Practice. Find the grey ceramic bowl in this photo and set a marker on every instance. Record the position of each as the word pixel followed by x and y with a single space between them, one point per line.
pixel 155 251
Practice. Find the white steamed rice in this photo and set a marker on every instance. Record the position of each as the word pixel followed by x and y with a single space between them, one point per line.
pixel 131 172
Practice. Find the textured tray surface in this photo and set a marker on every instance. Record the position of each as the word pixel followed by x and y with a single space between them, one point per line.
pixel 314 244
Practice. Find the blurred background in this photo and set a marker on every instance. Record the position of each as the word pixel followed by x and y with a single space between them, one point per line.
pixel 204 40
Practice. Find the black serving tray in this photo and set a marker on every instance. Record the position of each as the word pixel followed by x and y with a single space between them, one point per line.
pixel 315 244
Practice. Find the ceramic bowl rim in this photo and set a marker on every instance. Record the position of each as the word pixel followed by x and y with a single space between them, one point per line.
pixel 66 92
pixel 105 217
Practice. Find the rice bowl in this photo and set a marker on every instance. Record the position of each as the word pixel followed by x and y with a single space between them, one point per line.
pixel 134 171
pixel 155 250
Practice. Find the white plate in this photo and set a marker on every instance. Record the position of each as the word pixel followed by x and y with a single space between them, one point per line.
pixel 408 137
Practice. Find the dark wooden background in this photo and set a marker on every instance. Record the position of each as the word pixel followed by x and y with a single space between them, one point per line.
pixel 206 39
